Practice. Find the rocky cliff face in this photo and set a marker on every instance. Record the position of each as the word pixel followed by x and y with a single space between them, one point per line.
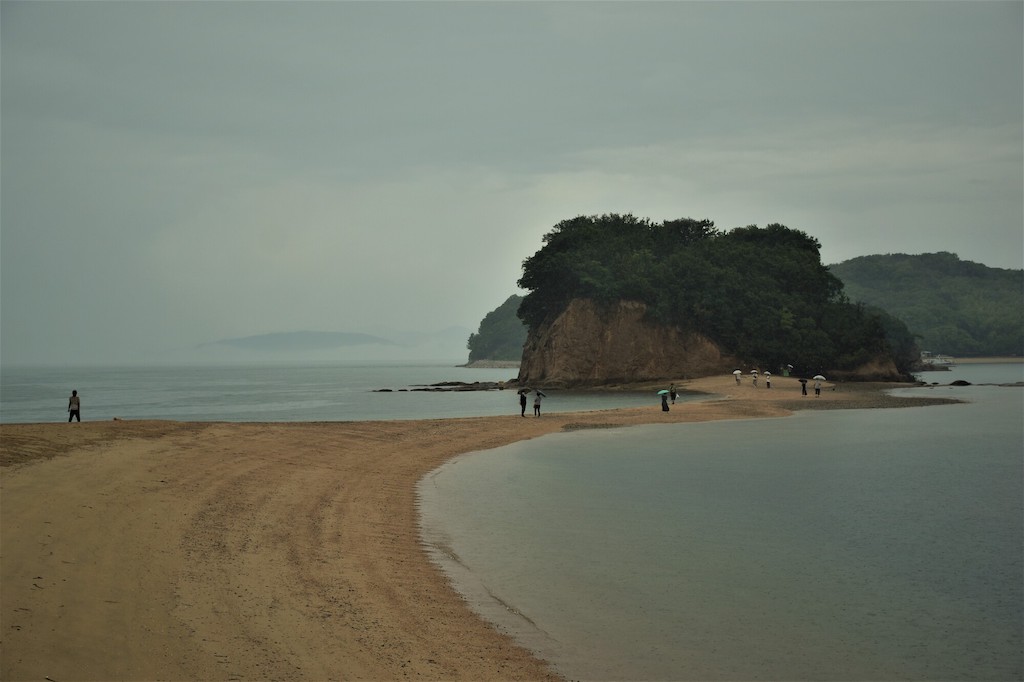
pixel 880 368
pixel 587 346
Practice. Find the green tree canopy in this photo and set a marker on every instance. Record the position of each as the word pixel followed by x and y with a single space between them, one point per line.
pixel 956 307
pixel 501 334
pixel 760 293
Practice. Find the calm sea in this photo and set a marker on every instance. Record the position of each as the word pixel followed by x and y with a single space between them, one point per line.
pixel 835 545
pixel 272 393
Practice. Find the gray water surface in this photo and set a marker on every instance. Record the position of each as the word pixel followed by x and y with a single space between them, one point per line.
pixel 282 393
pixel 840 545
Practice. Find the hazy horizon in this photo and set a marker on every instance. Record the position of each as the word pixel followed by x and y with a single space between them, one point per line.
pixel 386 347
pixel 178 173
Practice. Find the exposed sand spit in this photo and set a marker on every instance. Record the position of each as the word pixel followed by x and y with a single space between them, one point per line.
pixel 172 550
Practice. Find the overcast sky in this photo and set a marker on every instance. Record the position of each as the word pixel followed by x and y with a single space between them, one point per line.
pixel 177 173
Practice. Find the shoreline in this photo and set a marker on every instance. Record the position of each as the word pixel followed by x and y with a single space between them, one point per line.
pixel 291 551
pixel 493 364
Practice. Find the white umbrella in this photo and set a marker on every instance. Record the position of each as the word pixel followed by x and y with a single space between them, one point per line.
pixel 767 373
pixel 739 371
pixel 818 377
pixel 753 371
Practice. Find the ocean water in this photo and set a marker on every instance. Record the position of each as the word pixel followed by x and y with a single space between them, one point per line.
pixel 273 393
pixel 991 373
pixel 832 545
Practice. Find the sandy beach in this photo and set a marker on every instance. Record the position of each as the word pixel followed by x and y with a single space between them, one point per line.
pixel 287 551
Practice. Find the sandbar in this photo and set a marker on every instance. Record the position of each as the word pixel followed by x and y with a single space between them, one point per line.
pixel 166 550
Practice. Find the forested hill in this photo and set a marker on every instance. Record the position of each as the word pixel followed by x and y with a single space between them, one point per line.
pixel 956 307
pixel 761 294
pixel 501 334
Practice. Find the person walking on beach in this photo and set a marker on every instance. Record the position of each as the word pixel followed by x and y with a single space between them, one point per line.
pixel 74 407
pixel 536 404
pixel 522 403
pixel 803 387
pixel 672 393
pixel 664 402
pixel 767 379
pixel 817 388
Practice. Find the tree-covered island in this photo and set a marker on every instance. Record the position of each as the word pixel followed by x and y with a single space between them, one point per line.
pixel 501 334
pixel 761 295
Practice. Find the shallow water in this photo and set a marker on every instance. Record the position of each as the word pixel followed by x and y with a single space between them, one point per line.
pixel 840 545
pixel 274 393
pixel 991 373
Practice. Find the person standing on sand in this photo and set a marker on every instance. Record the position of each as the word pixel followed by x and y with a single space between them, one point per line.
pixel 664 402
pixel 522 404
pixel 74 407
pixel 536 404
pixel 817 389
pixel 672 393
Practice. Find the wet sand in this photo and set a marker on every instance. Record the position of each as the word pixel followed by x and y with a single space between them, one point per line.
pixel 286 551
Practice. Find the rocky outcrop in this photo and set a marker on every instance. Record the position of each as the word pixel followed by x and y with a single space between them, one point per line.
pixel 589 346
pixel 881 368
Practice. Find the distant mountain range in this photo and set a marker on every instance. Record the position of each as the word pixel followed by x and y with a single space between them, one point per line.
pixel 446 345
pixel 302 341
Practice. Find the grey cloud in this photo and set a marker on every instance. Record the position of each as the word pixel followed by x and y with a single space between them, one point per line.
pixel 178 172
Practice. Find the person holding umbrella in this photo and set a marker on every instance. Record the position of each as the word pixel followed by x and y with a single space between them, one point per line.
pixel 737 374
pixel 522 401
pixel 536 402
pixel 817 385
pixel 767 379
pixel 664 400
pixel 803 386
